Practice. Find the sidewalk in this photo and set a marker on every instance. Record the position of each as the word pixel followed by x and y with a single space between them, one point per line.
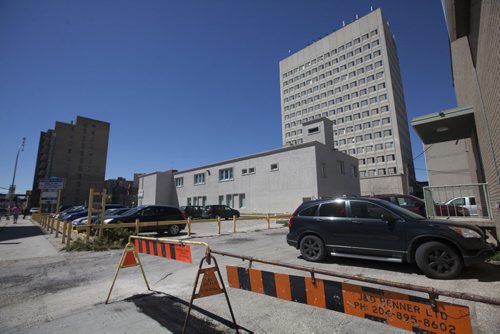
pixel 23 240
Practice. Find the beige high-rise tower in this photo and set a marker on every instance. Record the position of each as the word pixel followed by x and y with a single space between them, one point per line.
pixel 352 76
pixel 75 152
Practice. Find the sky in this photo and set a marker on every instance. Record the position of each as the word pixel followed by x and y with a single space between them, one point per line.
pixel 185 83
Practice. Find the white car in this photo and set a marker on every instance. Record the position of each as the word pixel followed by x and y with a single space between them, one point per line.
pixel 34 210
pixel 468 202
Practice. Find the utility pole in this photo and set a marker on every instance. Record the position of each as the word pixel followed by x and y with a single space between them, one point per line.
pixel 12 188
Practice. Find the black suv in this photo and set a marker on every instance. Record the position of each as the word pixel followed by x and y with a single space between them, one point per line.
pixel 193 211
pixel 151 213
pixel 223 211
pixel 369 228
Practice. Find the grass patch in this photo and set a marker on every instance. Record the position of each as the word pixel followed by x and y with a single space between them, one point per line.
pixel 112 239
pixel 495 257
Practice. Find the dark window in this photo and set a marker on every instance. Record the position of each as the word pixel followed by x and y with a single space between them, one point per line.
pixel 310 211
pixel 147 212
pixel 334 209
pixel 361 209
pixel 472 201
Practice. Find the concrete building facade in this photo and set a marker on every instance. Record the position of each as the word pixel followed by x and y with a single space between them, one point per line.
pixel 352 77
pixel 475 56
pixel 75 152
pixel 273 181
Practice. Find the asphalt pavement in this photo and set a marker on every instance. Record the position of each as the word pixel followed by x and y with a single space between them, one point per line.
pixel 51 291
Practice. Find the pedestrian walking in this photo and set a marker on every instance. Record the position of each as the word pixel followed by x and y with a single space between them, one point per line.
pixel 25 213
pixel 15 213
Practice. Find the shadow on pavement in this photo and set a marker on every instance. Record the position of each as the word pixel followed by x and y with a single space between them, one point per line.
pixel 170 312
pixel 19 232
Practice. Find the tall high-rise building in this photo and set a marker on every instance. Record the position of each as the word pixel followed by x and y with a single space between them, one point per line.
pixel 75 152
pixel 352 77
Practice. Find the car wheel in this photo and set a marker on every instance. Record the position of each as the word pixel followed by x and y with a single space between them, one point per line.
pixel 438 260
pixel 174 229
pixel 312 248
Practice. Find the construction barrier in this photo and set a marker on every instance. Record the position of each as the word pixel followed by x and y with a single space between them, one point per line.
pixel 179 250
pixel 394 309
pixel 414 313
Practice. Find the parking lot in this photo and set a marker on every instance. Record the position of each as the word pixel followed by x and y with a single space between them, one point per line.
pixel 55 292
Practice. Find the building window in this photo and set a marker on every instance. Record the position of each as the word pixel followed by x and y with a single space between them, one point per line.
pixel 226 174
pixel 340 167
pixel 313 130
pixel 179 182
pixel 242 200
pixel 247 171
pixel 199 178
pixel 392 170
pixel 354 171
pixel 221 199
pixel 274 167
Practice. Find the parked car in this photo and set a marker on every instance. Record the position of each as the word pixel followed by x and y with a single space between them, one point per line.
pixel 34 210
pixel 97 217
pixel 223 211
pixel 193 211
pixel 466 202
pixel 151 213
pixel 83 212
pixel 369 228
pixel 417 205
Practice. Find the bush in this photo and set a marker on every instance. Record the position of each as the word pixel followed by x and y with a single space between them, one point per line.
pixel 112 239
pixel 495 257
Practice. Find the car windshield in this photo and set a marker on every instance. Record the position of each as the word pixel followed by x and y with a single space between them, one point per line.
pixel 407 214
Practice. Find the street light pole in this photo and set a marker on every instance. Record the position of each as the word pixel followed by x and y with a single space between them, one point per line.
pixel 12 188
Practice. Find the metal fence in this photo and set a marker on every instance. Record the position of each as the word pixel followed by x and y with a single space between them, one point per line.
pixel 465 200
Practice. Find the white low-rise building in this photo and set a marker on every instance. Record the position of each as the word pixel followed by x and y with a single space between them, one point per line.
pixel 273 181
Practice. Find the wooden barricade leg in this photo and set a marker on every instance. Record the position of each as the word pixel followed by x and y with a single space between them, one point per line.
pixel 268 221
pixel 218 225
pixel 234 223
pixel 189 227
pixel 208 258
pixel 137 226
pixel 52 222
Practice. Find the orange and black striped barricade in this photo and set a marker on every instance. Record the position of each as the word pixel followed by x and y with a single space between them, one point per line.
pixel 413 313
pixel 209 286
pixel 167 248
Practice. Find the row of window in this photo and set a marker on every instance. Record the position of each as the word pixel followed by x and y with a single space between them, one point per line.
pixel 225 174
pixel 380 158
pixel 369 148
pixel 337 91
pixel 342 120
pixel 378 172
pixel 304 90
pixel 334 52
pixel 360 138
pixel 333 82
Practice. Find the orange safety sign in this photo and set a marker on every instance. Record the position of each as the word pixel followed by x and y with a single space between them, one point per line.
pixel 209 284
pixel 166 250
pixel 129 260
pixel 412 313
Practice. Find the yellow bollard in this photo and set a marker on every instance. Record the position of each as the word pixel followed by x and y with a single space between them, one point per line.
pixel 268 221
pixel 57 228
pixel 69 230
pixel 218 225
pixel 234 223
pixel 64 232
pixel 189 227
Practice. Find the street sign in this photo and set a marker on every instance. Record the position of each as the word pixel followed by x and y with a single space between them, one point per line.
pixel 48 201
pixel 50 183
pixel 51 194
